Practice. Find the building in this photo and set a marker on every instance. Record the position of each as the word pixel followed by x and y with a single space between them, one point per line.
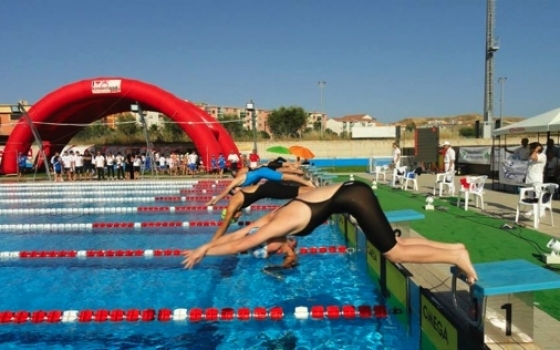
pixel 361 126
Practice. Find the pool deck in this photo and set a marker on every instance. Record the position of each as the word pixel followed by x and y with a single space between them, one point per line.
pixel 438 278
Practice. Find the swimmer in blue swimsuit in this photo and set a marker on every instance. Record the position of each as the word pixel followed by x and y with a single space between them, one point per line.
pixel 302 215
pixel 252 177
pixel 244 197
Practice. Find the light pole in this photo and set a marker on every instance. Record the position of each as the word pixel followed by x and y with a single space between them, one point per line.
pixel 19 109
pixel 321 87
pixel 501 81
pixel 251 109
pixel 135 108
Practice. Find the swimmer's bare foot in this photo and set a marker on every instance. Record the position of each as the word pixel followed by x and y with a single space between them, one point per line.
pixel 465 265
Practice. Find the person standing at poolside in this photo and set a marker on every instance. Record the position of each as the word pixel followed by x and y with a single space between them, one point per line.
pixel 254 160
pixel 448 157
pixel 396 156
pixel 536 164
pixel 522 152
pixel 233 160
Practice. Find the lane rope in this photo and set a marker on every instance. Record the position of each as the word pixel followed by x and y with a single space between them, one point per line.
pixel 113 210
pixel 147 253
pixel 194 314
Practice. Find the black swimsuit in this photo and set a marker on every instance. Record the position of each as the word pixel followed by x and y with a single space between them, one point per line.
pixel 358 200
pixel 269 189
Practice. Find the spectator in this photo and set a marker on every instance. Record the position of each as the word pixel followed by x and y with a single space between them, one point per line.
pixel 396 155
pixel 523 152
pixel 551 148
pixel 254 159
pixel 448 157
pixel 22 164
pixel 99 162
pixel 233 160
pixel 537 162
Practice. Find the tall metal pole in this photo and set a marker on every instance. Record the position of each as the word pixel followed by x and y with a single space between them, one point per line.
pixel 501 81
pixel 37 138
pixel 321 87
pixel 251 109
pixel 491 48
pixel 254 125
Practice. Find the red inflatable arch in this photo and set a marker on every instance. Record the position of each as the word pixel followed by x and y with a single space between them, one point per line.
pixel 86 101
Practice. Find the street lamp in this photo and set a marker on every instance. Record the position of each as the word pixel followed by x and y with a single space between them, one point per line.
pixel 321 87
pixel 136 108
pixel 250 106
pixel 19 109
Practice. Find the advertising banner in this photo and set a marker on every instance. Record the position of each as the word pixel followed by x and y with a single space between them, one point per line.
pixel 475 155
pixel 513 171
pixel 106 86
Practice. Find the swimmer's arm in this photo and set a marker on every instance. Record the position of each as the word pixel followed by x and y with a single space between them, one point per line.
pixel 234 183
pixel 231 210
pixel 245 243
pixel 290 260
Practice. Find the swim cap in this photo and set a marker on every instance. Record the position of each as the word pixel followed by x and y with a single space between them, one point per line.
pixel 223 215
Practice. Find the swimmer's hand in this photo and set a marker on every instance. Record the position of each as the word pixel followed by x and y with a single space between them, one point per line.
pixel 193 257
pixel 211 202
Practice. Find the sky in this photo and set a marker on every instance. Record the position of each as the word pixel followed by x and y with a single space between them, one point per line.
pixel 391 59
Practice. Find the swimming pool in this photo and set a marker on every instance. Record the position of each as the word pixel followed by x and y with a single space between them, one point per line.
pixel 157 282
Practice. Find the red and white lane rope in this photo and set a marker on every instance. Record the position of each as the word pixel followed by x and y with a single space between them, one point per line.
pixel 113 210
pixel 108 192
pixel 194 314
pixel 108 199
pixel 111 225
pixel 147 253
pixel 142 184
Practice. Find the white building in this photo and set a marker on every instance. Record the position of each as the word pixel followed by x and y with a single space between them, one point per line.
pixel 361 126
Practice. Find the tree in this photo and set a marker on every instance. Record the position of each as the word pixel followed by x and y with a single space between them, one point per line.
pixel 410 127
pixel 171 130
pixel 233 124
pixel 94 130
pixel 467 132
pixel 287 121
pixel 126 124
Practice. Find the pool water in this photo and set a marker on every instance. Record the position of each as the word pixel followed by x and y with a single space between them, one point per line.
pixel 161 282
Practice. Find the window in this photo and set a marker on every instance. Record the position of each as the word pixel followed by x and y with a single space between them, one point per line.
pixel 15 116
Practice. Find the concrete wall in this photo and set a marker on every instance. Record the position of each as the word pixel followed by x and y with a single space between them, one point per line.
pixel 349 148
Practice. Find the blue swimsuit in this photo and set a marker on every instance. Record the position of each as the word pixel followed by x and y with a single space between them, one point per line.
pixel 254 176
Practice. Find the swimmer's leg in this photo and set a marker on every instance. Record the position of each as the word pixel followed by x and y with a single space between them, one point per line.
pixel 425 254
pixel 424 241
pixel 297 179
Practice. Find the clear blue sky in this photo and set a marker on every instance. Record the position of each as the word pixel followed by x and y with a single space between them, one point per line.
pixel 390 59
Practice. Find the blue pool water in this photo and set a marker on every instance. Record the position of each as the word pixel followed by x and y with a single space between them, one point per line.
pixel 161 282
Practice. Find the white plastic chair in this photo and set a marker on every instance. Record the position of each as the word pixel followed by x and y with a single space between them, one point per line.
pixel 476 189
pixel 447 180
pixel 380 171
pixel 539 198
pixel 410 176
pixel 398 175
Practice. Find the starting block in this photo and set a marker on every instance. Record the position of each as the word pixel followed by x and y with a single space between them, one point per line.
pixel 501 301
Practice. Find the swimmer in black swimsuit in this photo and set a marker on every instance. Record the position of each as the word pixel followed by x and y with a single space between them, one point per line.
pixel 245 178
pixel 303 214
pixel 242 198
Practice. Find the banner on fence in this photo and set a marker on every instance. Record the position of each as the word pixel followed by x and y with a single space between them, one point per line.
pixel 475 155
